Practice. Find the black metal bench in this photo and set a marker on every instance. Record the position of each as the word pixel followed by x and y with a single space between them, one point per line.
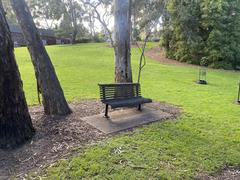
pixel 122 95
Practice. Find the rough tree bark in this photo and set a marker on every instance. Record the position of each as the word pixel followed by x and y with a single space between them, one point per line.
pixel 54 101
pixel 15 122
pixel 122 27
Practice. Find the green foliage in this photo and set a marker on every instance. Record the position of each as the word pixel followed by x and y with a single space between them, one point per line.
pixel 204 139
pixel 203 29
pixel 145 16
pixel 46 9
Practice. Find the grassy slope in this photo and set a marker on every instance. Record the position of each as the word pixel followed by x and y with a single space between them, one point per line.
pixel 204 139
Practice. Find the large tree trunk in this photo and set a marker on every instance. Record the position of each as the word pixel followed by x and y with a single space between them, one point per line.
pixel 54 101
pixel 15 121
pixel 123 71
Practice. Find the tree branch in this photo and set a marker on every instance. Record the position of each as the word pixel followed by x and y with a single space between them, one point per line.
pixel 101 19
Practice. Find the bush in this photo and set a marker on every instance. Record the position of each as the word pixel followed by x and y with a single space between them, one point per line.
pixel 97 39
pixel 84 40
pixel 203 30
pixel 221 65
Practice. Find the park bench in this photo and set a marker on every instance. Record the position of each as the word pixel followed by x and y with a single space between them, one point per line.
pixel 122 95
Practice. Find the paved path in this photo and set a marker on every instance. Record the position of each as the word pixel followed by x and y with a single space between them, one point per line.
pixel 126 119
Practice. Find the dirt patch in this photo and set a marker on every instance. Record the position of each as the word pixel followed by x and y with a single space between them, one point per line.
pixel 57 137
pixel 226 174
pixel 158 54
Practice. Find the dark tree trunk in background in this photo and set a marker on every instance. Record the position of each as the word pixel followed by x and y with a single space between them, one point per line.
pixel 74 36
pixel 54 101
pixel 122 27
pixel 15 121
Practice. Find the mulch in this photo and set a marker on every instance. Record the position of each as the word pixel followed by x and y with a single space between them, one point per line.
pixel 57 138
pixel 228 173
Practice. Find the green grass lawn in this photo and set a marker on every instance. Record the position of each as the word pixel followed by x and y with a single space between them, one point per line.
pixel 204 139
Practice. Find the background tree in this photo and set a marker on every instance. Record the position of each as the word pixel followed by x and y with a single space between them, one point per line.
pixel 72 15
pixel 64 16
pixel 122 27
pixel 102 12
pixel 47 11
pixel 66 30
pixel 9 11
pixel 54 101
pixel 203 32
pixel 89 17
pixel 146 16
pixel 15 121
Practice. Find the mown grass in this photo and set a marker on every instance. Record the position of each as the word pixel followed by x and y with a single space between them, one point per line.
pixel 205 139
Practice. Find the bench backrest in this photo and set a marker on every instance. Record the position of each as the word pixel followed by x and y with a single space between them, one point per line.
pixel 119 91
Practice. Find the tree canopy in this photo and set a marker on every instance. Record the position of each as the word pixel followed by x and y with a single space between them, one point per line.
pixel 203 32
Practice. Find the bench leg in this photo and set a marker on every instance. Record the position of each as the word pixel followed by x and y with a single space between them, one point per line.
pixel 106 112
pixel 140 107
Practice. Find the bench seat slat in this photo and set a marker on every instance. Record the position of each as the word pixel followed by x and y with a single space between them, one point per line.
pixel 130 102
